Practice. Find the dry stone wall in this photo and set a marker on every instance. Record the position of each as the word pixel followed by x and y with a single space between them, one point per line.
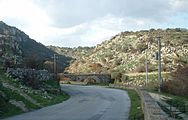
pixel 37 79
pixel 21 73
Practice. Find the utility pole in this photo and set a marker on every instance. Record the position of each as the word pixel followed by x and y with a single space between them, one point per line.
pixel 146 62
pixel 55 68
pixel 159 64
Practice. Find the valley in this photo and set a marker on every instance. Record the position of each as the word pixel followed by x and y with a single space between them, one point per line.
pixel 31 73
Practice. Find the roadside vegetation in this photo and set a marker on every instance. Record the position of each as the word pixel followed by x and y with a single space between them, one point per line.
pixel 136 112
pixel 53 99
pixel 13 90
pixel 175 90
pixel 180 102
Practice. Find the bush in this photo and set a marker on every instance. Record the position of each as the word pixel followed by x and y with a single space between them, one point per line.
pixel 140 69
pixel 141 47
pixel 95 67
pixel 116 76
pixel 124 78
pixel 3 97
pixel 179 84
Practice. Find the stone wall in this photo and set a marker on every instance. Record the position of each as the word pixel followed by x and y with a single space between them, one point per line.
pixel 97 78
pixel 36 79
pixel 21 73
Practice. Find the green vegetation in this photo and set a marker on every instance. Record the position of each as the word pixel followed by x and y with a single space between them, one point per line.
pixel 178 85
pixel 126 52
pixel 180 102
pixel 136 112
pixel 76 53
pixel 99 84
pixel 11 94
pixel 43 98
pixel 9 110
pixel 51 100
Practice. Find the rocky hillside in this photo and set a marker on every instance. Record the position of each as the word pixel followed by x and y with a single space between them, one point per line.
pixel 23 88
pixel 126 52
pixel 76 53
pixel 18 50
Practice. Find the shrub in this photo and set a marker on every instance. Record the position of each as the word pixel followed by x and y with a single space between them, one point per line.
pixel 96 67
pixel 179 84
pixel 3 97
pixel 124 78
pixel 141 47
pixel 116 76
pixel 140 69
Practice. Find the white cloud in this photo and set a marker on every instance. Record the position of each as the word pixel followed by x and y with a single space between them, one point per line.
pixel 25 11
pixel 179 5
pixel 87 23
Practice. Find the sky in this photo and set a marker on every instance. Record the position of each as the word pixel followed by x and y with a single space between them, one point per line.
pixel 73 23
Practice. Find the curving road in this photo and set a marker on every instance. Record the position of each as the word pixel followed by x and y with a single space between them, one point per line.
pixel 86 103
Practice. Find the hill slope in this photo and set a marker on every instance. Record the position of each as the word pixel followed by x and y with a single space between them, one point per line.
pixel 126 52
pixel 26 92
pixel 75 53
pixel 19 50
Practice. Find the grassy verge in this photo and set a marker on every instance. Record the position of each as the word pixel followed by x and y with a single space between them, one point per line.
pixel 50 101
pixel 99 84
pixel 16 96
pixel 9 110
pixel 6 94
pixel 136 112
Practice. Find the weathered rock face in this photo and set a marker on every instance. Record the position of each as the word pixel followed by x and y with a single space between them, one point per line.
pixel 37 79
pixel 18 50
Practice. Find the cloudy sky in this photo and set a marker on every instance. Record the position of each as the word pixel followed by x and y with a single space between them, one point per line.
pixel 74 23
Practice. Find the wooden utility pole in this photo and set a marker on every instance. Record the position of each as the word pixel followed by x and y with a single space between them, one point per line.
pixel 146 62
pixel 159 64
pixel 55 68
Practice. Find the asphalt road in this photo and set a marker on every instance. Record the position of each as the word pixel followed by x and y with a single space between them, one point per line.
pixel 86 103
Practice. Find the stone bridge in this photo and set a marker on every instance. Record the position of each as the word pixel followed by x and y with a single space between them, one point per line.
pixel 97 78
